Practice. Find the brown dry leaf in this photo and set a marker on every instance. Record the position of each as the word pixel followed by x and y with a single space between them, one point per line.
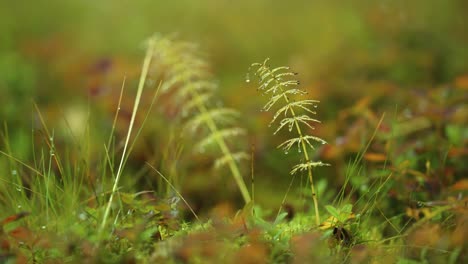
pixel 201 245
pixel 88 250
pixel 362 105
pixel 222 210
pixel 375 157
pixel 4 244
pixel 21 259
pixel 461 185
pixel 360 254
pixel 461 82
pixel 354 135
pixel 331 151
pixel 459 236
pixel 455 152
pixel 426 236
pixel 239 223
pixel 252 254
pixel 23 235
pixel 14 217
pixel 306 248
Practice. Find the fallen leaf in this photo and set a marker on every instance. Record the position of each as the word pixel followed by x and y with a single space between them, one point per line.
pixel 460 185
pixel 14 217
pixel 375 157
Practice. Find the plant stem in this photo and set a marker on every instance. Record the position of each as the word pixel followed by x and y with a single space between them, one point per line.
pixel 309 169
pixel 141 84
pixel 304 150
pixel 224 149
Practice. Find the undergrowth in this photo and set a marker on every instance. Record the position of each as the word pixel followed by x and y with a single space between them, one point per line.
pixel 66 203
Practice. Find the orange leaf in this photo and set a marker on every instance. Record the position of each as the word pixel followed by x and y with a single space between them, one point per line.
pixel 14 217
pixel 21 233
pixel 375 157
pixel 461 185
pixel 457 152
pixel 462 82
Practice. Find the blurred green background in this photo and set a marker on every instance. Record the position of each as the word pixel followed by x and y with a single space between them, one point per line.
pixel 70 58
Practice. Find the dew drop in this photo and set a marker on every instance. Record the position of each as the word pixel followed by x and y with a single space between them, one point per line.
pixel 82 216
pixel 323 142
pixel 315 106
pixel 43 227
pixel 14 172
pixel 299 150
pixel 19 206
pixel 286 152
pixel 18 189
pixel 247 78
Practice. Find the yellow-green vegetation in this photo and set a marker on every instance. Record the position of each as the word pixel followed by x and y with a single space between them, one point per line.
pixel 188 74
pixel 281 87
pixel 117 149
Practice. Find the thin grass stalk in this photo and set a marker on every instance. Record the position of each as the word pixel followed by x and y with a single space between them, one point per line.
pixel 141 84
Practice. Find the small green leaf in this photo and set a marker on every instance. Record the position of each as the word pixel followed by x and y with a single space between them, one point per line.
pixel 333 211
pixel 127 198
pixel 347 209
pixel 327 233
pixel 280 217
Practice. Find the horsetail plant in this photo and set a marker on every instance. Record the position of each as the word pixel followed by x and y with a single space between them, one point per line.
pixel 187 78
pixel 280 85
